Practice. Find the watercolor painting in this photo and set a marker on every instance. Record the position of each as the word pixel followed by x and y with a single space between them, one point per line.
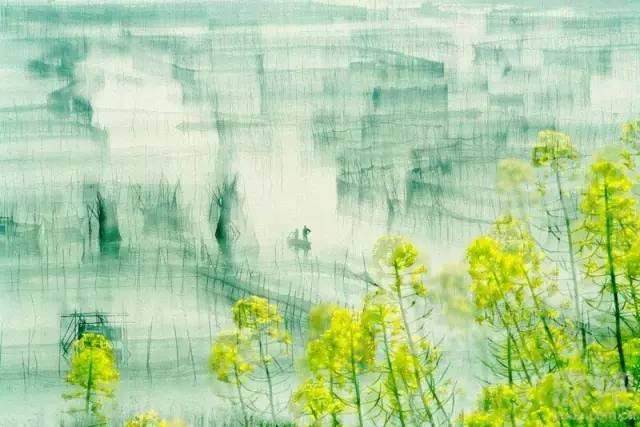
pixel 319 213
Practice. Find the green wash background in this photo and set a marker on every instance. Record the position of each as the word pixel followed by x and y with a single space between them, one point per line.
pixel 353 119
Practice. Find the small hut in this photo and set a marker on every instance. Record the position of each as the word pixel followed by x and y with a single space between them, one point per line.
pixel 74 325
